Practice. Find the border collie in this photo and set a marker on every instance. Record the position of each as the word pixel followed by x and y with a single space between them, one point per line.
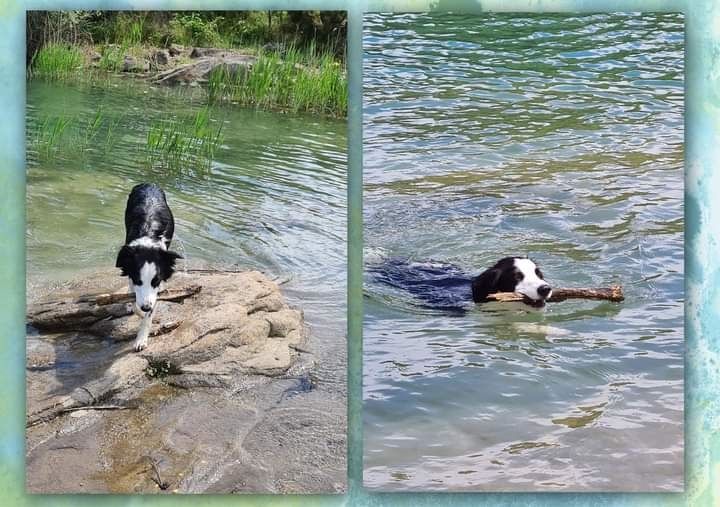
pixel 513 274
pixel 447 287
pixel 145 258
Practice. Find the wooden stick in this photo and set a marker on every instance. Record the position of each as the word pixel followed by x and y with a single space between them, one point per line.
pixel 126 297
pixel 83 312
pixel 613 293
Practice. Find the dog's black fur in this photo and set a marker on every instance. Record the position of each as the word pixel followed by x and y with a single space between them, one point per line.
pixel 147 215
pixel 447 287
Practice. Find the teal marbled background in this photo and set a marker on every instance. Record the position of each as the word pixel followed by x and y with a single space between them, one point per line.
pixel 702 442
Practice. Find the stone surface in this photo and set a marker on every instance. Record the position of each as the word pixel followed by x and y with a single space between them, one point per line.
pixel 215 404
pixel 198 71
pixel 161 57
pixel 132 64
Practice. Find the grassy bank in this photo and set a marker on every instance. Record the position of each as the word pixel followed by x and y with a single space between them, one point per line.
pixel 294 80
pixel 297 69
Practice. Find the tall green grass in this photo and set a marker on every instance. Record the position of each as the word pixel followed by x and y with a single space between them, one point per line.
pixel 188 142
pixel 56 61
pixel 72 135
pixel 290 80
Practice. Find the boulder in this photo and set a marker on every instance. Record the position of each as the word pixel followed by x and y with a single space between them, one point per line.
pixel 132 64
pixel 161 57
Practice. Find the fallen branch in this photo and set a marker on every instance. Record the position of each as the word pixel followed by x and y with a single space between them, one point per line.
pixel 613 293
pixel 97 407
pixel 126 297
pixel 83 312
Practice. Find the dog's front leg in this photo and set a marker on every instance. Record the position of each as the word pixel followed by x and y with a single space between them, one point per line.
pixel 144 332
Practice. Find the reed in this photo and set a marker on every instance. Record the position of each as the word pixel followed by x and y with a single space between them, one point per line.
pixel 291 80
pixel 56 61
pixel 50 131
pixel 179 143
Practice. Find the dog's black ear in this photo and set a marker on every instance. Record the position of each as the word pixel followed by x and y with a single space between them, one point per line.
pixel 168 263
pixel 485 284
pixel 124 258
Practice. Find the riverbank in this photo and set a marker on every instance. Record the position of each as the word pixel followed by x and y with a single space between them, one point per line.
pixel 271 77
pixel 225 398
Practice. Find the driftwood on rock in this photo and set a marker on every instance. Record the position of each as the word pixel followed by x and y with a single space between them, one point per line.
pixel 82 312
pixel 613 293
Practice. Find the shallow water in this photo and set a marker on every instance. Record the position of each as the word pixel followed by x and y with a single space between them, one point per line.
pixel 272 198
pixel 555 136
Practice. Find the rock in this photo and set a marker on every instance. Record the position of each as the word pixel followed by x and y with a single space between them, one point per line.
pixel 132 64
pixel 199 70
pixel 175 50
pixel 283 321
pixel 237 323
pixel 203 52
pixel 220 401
pixel 161 57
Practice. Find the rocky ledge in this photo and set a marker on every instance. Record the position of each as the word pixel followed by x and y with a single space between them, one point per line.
pixel 184 414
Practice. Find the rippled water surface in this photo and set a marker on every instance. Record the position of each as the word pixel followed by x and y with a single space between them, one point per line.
pixel 272 199
pixel 556 136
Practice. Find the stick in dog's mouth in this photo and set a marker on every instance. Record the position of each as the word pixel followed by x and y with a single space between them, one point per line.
pixel 535 303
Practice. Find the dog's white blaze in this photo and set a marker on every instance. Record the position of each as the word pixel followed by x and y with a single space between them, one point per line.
pixel 530 282
pixel 148 243
pixel 146 294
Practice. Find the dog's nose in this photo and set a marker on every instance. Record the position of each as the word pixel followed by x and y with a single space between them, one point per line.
pixel 147 308
pixel 544 290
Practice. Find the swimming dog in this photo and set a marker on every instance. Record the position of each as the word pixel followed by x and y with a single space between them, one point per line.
pixel 145 258
pixel 513 274
pixel 447 287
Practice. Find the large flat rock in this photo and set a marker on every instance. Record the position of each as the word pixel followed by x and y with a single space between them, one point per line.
pixel 202 408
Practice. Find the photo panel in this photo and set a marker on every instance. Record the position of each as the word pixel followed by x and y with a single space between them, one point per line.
pixel 523 258
pixel 186 252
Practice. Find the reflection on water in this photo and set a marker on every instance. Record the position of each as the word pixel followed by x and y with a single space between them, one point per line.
pixel 550 135
pixel 272 200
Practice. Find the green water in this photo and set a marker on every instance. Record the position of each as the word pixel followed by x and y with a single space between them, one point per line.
pixel 556 136
pixel 271 198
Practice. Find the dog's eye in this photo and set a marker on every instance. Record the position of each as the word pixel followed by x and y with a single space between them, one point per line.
pixel 538 273
pixel 519 276
pixel 155 281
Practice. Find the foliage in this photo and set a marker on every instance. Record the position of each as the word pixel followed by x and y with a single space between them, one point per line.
pixel 183 142
pixel 288 79
pixel 56 61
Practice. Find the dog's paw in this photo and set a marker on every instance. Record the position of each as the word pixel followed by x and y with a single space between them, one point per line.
pixel 138 346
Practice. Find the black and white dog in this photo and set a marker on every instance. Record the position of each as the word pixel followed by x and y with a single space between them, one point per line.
pixel 145 258
pixel 512 274
pixel 447 287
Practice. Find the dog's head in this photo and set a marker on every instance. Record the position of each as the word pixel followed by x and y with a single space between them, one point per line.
pixel 513 274
pixel 146 268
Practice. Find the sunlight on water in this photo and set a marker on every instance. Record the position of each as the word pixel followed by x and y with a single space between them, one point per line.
pixel 556 136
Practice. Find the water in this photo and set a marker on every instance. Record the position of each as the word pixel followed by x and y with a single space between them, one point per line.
pixel 273 198
pixel 556 136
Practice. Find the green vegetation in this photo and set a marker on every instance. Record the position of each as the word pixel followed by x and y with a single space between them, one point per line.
pixel 300 54
pixel 292 80
pixel 160 368
pixel 184 142
pixel 325 29
pixel 174 143
pixel 57 61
